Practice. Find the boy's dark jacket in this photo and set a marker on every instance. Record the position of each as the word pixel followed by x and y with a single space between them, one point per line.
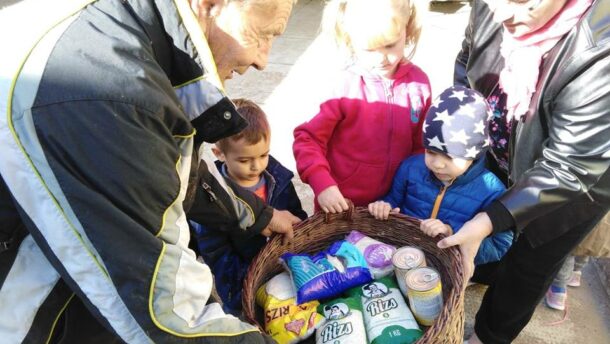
pixel 228 249
pixel 415 190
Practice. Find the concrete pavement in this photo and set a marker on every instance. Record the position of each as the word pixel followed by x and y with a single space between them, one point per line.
pixel 290 90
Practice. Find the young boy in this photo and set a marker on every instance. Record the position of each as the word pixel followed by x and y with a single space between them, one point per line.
pixel 244 159
pixel 449 183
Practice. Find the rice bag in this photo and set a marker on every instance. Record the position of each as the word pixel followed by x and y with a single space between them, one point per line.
pixel 387 318
pixel 328 273
pixel 343 322
pixel 378 255
pixel 285 321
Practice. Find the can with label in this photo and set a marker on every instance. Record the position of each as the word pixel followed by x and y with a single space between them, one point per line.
pixel 425 294
pixel 405 259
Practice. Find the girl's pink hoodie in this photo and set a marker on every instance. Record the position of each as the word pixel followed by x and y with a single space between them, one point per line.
pixel 363 132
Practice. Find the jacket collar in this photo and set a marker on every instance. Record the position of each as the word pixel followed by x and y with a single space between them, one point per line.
pixel 276 175
pixel 182 51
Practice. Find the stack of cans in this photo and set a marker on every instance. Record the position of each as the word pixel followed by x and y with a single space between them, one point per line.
pixel 420 284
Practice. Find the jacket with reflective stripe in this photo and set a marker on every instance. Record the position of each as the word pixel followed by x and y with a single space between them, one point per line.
pixel 97 134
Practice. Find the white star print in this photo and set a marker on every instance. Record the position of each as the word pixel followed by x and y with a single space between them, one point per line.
pixel 435 142
pixel 471 152
pixel 458 95
pixel 467 110
pixel 479 127
pixel 487 142
pixel 490 115
pixel 444 116
pixel 459 136
pixel 426 125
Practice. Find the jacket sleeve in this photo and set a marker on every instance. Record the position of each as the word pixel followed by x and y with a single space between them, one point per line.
pixel 461 62
pixel 398 192
pixel 311 143
pixel 294 202
pixel 418 134
pixel 574 159
pixel 495 246
pixel 115 229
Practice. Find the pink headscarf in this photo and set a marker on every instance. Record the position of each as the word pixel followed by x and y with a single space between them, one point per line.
pixel 523 55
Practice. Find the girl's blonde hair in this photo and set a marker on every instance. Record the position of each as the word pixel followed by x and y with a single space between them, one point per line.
pixel 372 23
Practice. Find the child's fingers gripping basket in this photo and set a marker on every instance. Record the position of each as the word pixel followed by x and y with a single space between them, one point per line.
pixel 319 231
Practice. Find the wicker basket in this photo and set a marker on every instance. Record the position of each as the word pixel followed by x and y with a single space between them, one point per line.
pixel 319 231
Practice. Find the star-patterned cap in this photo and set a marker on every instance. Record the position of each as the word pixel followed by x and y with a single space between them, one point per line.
pixel 456 123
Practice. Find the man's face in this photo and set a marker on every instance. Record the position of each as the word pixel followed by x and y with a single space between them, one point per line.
pixel 243 31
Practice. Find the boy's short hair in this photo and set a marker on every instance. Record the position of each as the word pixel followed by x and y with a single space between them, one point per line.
pixel 257 129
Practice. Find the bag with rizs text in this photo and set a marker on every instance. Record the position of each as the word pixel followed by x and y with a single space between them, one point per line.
pixel 387 318
pixel 285 321
pixel 344 322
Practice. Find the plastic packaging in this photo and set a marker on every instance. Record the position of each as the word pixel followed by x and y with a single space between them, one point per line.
pixel 387 317
pixel 327 274
pixel 378 255
pixel 285 321
pixel 343 322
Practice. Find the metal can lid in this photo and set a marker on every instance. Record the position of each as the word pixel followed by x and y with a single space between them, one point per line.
pixel 408 257
pixel 422 279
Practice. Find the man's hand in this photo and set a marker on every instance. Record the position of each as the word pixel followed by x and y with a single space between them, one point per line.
pixel 281 223
pixel 331 200
pixel 381 210
pixel 469 237
pixel 434 227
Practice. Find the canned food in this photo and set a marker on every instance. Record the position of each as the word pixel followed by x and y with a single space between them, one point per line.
pixel 405 259
pixel 425 294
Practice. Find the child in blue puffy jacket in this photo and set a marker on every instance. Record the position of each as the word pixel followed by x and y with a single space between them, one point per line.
pixel 448 184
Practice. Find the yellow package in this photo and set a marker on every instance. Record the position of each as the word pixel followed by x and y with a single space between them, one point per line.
pixel 285 321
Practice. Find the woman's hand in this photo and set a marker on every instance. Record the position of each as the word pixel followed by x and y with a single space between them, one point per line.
pixel 381 210
pixel 331 200
pixel 469 237
pixel 434 227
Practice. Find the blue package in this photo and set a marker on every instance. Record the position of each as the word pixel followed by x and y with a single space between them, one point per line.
pixel 328 273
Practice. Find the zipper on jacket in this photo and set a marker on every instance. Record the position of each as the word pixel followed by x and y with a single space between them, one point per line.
pixel 387 89
pixel 213 198
pixel 439 199
pixel 515 126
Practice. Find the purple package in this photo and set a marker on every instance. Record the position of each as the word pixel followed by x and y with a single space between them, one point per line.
pixel 378 255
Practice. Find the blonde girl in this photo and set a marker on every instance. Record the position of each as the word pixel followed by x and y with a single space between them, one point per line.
pixel 372 119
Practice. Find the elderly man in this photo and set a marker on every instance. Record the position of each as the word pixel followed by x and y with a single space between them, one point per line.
pixel 100 113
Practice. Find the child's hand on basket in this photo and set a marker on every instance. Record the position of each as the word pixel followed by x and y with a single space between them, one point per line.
pixel 281 223
pixel 434 227
pixel 331 200
pixel 381 210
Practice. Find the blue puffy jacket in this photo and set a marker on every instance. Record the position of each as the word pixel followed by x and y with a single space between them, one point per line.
pixel 415 190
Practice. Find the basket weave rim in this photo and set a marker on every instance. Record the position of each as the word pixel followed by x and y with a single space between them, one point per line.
pixel 448 327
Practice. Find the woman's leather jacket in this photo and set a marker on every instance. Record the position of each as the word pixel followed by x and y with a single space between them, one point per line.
pixel 560 151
